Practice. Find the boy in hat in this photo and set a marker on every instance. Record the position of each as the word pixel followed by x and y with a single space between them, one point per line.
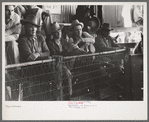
pixel 54 44
pixel 12 31
pixel 103 42
pixel 32 46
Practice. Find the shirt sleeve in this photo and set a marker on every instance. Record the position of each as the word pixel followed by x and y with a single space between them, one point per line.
pixel 17 19
pixel 76 51
pixel 16 29
pixel 73 49
pixel 87 35
pixel 88 38
pixel 12 37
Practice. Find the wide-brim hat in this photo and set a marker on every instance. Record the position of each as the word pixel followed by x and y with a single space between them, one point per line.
pixel 75 23
pixel 94 24
pixel 30 19
pixel 55 27
pixel 106 26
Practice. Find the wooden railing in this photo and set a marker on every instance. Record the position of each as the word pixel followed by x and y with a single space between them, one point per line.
pixel 99 76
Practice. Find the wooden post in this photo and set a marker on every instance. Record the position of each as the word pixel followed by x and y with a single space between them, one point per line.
pixel 58 67
pixel 136 76
pixel 127 79
pixel 20 93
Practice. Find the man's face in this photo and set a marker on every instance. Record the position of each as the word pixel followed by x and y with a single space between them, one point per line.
pixel 105 33
pixel 77 30
pixel 9 11
pixel 30 29
pixel 58 34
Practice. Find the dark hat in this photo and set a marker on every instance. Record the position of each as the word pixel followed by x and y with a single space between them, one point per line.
pixel 30 19
pixel 94 24
pixel 56 27
pixel 76 22
pixel 106 26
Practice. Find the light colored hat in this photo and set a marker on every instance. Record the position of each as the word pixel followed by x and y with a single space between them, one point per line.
pixel 56 27
pixel 106 26
pixel 76 22
pixel 30 19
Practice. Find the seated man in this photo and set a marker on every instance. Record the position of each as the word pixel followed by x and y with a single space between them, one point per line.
pixel 12 31
pixel 104 42
pixel 32 46
pixel 79 42
pixel 54 44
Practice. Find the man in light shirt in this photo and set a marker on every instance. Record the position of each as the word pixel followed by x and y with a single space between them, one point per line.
pixel 12 31
pixel 79 42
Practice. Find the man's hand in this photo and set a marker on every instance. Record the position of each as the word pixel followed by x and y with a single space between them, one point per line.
pixel 33 56
pixel 88 40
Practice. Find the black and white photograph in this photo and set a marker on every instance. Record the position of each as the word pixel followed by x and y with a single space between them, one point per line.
pixel 74 56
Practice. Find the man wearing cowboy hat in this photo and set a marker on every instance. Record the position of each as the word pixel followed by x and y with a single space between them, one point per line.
pixel 104 42
pixel 32 46
pixel 80 42
pixel 54 44
pixel 12 31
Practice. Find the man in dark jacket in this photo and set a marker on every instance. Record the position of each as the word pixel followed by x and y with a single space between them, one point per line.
pixel 54 43
pixel 104 42
pixel 32 46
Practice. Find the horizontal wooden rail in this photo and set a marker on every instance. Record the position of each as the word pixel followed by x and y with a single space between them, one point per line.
pixel 28 63
pixel 94 54
pixel 126 29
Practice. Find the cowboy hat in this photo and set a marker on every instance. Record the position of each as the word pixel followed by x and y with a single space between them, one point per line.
pixel 75 23
pixel 30 19
pixel 56 27
pixel 94 24
pixel 106 26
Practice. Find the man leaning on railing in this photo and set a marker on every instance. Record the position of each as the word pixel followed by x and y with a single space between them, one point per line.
pixel 104 42
pixel 79 42
pixel 32 46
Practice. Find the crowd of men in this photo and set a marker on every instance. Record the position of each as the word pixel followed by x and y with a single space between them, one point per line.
pixel 24 41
